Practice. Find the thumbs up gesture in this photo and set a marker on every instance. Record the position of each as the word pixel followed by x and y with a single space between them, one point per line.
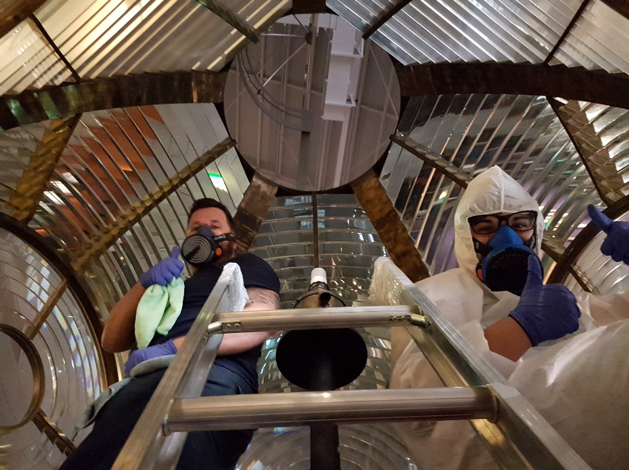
pixel 545 312
pixel 616 244
pixel 164 271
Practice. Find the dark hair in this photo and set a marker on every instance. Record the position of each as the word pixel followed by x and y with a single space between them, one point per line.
pixel 206 202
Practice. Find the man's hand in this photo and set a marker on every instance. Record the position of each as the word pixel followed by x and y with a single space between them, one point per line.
pixel 545 312
pixel 164 271
pixel 140 355
pixel 616 244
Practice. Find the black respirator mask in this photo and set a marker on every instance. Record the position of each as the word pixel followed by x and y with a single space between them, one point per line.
pixel 504 266
pixel 203 247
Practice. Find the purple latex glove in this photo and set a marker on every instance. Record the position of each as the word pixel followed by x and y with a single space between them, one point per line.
pixel 545 312
pixel 164 271
pixel 616 244
pixel 141 355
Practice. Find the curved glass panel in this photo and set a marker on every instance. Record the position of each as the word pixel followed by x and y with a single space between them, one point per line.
pixel 29 61
pixel 598 40
pixel 521 134
pixel 101 38
pixel 115 163
pixel 469 31
pixel 347 243
pixel 73 371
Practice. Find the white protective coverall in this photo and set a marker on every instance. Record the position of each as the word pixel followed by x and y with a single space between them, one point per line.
pixel 579 383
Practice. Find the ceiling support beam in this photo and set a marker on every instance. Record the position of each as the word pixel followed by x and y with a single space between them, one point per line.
pixel 385 16
pixel 31 185
pixel 376 203
pixel 62 101
pixel 252 210
pixel 133 214
pixel 229 17
pixel 582 240
pixel 515 79
pixel 551 247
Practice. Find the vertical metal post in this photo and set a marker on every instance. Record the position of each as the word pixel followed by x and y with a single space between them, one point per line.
pixel 315 229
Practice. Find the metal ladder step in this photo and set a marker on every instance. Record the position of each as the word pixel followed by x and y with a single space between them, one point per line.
pixel 518 436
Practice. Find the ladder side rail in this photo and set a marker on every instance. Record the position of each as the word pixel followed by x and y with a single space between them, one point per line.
pixel 147 446
pixel 520 437
pixel 338 407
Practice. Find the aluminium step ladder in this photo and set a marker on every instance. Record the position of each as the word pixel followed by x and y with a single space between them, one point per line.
pixel 518 437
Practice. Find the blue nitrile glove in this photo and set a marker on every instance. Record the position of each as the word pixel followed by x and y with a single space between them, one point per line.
pixel 141 355
pixel 545 312
pixel 616 244
pixel 164 271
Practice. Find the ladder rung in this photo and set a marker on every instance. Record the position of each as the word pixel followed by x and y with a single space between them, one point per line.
pixel 349 406
pixel 313 318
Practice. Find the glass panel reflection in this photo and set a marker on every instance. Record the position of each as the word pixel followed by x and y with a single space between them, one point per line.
pixel 29 61
pixel 73 370
pixel 450 31
pixel 101 38
pixel 598 40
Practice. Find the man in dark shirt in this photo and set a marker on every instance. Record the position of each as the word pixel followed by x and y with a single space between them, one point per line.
pixel 234 371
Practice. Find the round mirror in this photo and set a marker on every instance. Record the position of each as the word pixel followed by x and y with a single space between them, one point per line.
pixel 312 104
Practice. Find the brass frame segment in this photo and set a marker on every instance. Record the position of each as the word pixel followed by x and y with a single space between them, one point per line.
pixel 29 188
pixel 252 210
pixel 385 219
pixel 47 310
pixel 570 255
pixel 582 153
pixel 58 102
pixel 452 172
pixel 13 13
pixel 308 6
pixel 53 433
pixel 133 214
pixel 439 163
pixel 385 16
pixel 555 251
pixel 588 151
pixel 37 369
pixel 515 79
pixel 225 14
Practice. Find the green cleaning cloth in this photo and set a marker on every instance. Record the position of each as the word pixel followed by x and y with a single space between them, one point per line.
pixel 157 311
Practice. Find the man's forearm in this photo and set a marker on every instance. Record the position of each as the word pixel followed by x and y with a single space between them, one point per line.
pixel 119 332
pixel 507 338
pixel 235 343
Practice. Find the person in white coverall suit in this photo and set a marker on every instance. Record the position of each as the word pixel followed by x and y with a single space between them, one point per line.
pixel 569 356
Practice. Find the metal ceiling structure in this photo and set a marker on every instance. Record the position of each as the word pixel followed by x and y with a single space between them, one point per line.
pixel 112 123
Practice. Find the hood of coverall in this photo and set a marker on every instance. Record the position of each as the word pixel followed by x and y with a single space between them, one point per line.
pixel 491 192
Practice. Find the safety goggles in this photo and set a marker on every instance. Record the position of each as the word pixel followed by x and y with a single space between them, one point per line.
pixel 519 221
